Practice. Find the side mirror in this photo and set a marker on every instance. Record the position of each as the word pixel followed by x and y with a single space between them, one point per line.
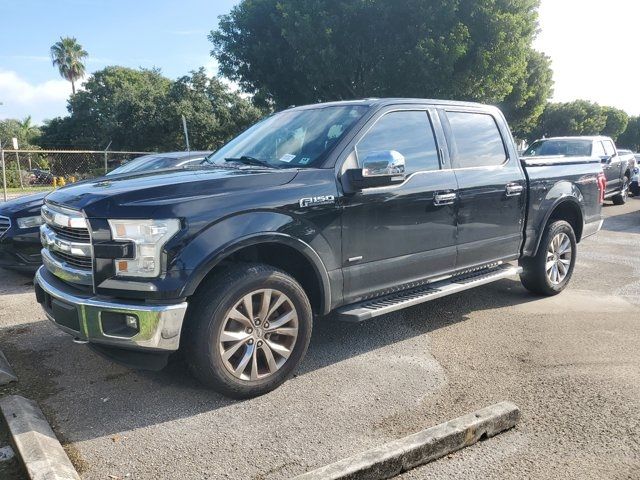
pixel 606 159
pixel 379 169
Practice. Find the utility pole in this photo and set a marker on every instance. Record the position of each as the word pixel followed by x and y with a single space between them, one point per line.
pixel 106 166
pixel 4 172
pixel 186 133
pixel 15 147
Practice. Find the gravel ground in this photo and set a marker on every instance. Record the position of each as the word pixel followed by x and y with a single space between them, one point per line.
pixel 571 362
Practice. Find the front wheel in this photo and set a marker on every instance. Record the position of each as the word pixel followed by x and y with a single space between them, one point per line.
pixel 621 198
pixel 549 272
pixel 248 329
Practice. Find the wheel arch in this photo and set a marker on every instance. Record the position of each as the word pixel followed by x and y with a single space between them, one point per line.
pixel 279 250
pixel 566 208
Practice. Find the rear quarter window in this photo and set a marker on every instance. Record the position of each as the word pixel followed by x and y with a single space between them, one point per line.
pixel 476 140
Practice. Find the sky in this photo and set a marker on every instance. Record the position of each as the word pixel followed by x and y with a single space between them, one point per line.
pixel 591 43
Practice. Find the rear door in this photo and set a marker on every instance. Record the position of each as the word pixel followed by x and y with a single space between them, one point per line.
pixel 491 187
pixel 613 168
pixel 402 233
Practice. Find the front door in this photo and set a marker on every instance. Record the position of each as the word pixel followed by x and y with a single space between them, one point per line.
pixel 491 188
pixel 401 233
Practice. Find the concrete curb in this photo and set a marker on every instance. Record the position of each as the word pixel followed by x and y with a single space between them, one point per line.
pixel 409 452
pixel 36 444
pixel 6 372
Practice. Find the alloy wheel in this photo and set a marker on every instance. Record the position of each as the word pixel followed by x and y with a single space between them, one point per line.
pixel 559 255
pixel 258 334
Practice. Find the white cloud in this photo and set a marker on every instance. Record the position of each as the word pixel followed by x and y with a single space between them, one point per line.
pixel 42 100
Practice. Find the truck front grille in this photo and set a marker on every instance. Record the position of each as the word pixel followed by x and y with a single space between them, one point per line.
pixel 5 223
pixel 67 239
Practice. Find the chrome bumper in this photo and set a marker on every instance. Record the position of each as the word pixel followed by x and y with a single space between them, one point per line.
pixel 80 315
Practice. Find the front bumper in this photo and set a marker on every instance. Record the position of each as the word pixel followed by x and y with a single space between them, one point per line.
pixel 82 315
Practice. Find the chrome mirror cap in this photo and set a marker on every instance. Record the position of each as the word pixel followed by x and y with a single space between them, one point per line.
pixel 383 163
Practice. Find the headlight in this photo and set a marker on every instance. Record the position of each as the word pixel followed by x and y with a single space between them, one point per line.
pixel 30 222
pixel 148 236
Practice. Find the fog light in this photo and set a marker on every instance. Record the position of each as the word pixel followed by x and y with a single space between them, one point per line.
pixel 117 324
pixel 131 321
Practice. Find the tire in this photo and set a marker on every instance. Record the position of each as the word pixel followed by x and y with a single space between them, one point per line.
pixel 221 305
pixel 621 198
pixel 535 276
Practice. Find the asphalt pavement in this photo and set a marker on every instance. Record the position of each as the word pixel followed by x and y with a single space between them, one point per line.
pixel 571 363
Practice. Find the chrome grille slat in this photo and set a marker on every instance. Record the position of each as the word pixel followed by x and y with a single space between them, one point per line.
pixel 72 234
pixel 77 262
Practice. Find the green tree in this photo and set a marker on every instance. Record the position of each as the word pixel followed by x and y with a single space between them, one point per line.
pixel 68 56
pixel 140 110
pixel 26 133
pixel 214 113
pixel 617 121
pixel 288 52
pixel 526 102
pixel 580 117
pixel 118 105
pixel 630 138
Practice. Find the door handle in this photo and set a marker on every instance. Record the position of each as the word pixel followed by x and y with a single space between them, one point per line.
pixel 445 198
pixel 514 189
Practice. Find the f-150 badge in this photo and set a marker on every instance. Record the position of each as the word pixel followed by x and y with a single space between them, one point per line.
pixel 313 201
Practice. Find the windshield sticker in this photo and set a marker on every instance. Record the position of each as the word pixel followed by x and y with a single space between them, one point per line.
pixel 287 158
pixel 304 160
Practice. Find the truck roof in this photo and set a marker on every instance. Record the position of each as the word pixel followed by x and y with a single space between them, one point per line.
pixel 578 137
pixel 381 102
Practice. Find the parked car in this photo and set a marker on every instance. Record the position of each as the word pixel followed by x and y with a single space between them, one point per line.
pixel 359 208
pixel 617 169
pixel 20 218
pixel 38 176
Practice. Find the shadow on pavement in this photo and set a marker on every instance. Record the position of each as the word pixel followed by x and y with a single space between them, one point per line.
pixel 88 397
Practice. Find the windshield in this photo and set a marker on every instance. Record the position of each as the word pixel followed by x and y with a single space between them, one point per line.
pixel 293 138
pixel 154 162
pixel 569 148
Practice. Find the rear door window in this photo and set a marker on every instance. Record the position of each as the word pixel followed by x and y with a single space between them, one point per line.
pixel 476 140
pixel 609 148
pixel 598 150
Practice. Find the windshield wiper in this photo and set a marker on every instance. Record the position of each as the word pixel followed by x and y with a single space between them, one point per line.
pixel 246 159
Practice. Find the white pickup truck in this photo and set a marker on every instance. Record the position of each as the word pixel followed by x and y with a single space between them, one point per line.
pixel 617 168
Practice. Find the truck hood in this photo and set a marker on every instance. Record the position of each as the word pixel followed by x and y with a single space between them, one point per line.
pixel 113 196
pixel 23 206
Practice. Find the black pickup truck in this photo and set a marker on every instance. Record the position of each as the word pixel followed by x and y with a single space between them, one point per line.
pixel 359 208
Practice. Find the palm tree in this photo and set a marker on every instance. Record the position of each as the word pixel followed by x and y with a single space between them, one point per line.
pixel 67 55
pixel 27 129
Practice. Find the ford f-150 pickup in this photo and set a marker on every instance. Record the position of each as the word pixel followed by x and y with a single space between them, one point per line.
pixel 356 208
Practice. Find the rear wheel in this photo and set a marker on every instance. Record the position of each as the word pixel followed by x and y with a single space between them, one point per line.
pixel 621 198
pixel 549 272
pixel 248 330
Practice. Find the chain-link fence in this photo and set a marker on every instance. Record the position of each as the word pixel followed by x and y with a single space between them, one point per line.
pixel 28 171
